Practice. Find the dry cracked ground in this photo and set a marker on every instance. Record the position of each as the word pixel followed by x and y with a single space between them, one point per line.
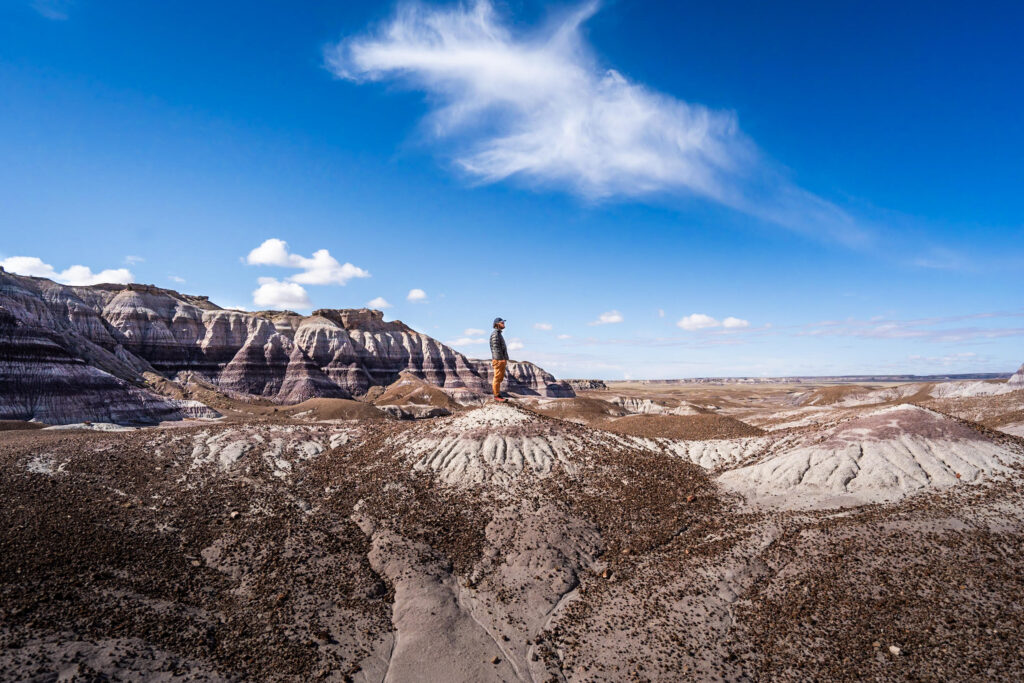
pixel 771 534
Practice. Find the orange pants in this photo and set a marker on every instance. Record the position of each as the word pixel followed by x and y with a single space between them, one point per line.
pixel 499 374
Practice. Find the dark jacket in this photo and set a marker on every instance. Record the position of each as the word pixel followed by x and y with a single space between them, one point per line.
pixel 498 348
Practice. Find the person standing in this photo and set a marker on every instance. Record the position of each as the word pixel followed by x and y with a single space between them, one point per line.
pixel 499 357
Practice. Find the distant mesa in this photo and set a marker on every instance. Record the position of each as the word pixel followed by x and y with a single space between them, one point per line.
pixel 124 353
pixel 587 384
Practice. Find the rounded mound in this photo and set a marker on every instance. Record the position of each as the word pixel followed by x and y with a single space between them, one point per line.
pixel 411 390
pixel 334 409
pixel 580 409
pixel 15 425
pixel 685 427
pixel 882 456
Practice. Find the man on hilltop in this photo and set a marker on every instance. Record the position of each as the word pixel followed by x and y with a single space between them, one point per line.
pixel 499 357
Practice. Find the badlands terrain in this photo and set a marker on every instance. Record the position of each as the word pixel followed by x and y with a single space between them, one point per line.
pixel 190 493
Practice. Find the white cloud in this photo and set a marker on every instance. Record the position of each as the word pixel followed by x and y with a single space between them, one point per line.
pixel 175 278
pixel 473 332
pixel 607 318
pixel 732 323
pixel 416 295
pixel 565 336
pixel 379 303
pixel 661 312
pixel 77 276
pixel 273 293
pixel 320 269
pixel 464 341
pixel 697 321
pixel 132 260
pixel 542 326
pixel 540 107
pixel 515 344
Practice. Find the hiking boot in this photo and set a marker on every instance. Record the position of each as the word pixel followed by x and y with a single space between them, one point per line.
pixel 501 399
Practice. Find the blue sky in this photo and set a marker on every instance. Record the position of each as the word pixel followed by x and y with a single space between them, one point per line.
pixel 642 189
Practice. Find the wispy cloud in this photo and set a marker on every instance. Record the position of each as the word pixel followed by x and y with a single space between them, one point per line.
pixel 539 107
pixel 935 329
pixel 473 332
pixel 941 258
pixel 56 10
pixel 73 275
pixel 131 259
pixel 319 269
pixel 607 318
pixel 175 278
pixel 542 326
pixel 467 341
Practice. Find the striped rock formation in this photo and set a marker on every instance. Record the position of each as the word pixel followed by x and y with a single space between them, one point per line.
pixel 84 351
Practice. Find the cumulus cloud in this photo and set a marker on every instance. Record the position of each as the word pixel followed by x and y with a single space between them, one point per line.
pixel 700 321
pixel 379 303
pixel 473 332
pixel 515 344
pixel 273 293
pixel 538 106
pixel 697 321
pixel 607 318
pixel 542 326
pixel 416 295
pixel 319 269
pixel 77 276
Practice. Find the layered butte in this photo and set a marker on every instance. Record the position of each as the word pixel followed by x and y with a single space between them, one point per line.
pixel 70 353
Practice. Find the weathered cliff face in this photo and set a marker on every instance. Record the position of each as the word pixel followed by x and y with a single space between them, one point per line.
pixel 1017 380
pixel 123 331
pixel 42 379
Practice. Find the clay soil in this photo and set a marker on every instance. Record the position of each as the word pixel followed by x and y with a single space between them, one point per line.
pixel 11 425
pixel 684 427
pixel 193 553
pixel 332 409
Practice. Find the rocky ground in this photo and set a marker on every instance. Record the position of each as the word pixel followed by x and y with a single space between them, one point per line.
pixel 713 533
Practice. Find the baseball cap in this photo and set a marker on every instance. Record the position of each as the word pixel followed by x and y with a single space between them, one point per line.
pixel 498 320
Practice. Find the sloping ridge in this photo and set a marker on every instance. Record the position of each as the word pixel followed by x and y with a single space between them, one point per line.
pixel 879 457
